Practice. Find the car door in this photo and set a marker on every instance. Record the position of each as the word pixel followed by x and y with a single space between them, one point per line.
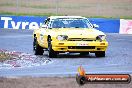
pixel 44 33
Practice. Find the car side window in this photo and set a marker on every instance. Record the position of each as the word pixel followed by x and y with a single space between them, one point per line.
pixel 47 21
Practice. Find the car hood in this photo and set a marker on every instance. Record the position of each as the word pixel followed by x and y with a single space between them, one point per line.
pixel 76 32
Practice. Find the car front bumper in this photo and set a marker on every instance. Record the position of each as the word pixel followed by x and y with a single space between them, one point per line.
pixel 79 46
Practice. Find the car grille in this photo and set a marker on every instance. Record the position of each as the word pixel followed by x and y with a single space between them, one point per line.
pixel 81 47
pixel 80 39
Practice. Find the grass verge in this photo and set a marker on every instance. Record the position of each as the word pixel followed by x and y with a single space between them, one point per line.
pixel 27 14
pixel 53 14
pixel 5 56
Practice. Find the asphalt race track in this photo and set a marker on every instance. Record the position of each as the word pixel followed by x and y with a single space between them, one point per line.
pixel 118 56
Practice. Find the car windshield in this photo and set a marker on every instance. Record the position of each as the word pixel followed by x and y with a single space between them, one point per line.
pixel 70 23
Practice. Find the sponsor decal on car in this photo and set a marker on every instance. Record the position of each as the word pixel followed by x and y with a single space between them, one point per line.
pixel 82 44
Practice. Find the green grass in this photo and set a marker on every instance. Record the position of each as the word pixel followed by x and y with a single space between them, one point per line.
pixel 53 14
pixel 5 56
pixel 109 17
pixel 126 17
pixel 27 14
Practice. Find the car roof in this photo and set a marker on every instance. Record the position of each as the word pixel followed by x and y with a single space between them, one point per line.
pixel 55 17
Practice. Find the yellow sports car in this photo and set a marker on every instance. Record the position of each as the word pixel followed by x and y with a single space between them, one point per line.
pixel 73 34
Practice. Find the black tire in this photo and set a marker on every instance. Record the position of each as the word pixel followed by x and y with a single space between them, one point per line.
pixel 38 50
pixel 84 53
pixel 100 54
pixel 52 53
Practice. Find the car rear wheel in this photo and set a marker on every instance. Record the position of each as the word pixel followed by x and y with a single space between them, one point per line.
pixel 100 54
pixel 38 50
pixel 52 53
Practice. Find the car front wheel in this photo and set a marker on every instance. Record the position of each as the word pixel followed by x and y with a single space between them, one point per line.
pixel 100 54
pixel 38 50
pixel 52 53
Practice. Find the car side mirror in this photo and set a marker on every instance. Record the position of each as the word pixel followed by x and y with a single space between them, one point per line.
pixel 95 26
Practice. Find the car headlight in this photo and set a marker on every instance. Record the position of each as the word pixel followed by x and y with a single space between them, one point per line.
pixel 62 37
pixel 101 37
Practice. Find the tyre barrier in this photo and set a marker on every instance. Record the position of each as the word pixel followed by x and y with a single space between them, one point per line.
pixel 122 26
